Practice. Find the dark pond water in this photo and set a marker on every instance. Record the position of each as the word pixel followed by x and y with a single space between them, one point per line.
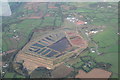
pixel 49 39
pixel 43 43
pixel 37 50
pixel 52 53
pixel 46 52
pixel 38 45
pixel 60 45
pixel 41 50
pixel 45 40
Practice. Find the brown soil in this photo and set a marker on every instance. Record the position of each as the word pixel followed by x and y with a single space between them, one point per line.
pixel 61 71
pixel 95 73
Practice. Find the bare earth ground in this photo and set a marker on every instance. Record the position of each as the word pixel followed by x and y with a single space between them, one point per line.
pixel 61 71
pixel 95 73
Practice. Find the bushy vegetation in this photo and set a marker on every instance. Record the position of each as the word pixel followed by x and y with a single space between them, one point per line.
pixel 41 73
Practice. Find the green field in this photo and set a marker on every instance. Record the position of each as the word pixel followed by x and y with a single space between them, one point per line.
pixel 9 75
pixel 108 44
pixel 107 40
pixel 25 27
pixel 111 58
pixel 0 40
pixel 23 30
pixel 12 75
pixel 78 64
pixel 48 21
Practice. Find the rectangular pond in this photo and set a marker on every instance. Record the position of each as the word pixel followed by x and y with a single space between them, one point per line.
pixel 45 40
pixel 43 43
pixel 51 54
pixel 46 52
pixel 49 39
pixel 38 45
pixel 41 51
pixel 37 50
pixel 60 45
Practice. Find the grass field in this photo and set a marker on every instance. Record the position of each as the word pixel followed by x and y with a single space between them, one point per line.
pixel 9 75
pixel 23 30
pixel 78 64
pixel 25 27
pixel 0 41
pixel 111 58
pixel 5 44
pixel 12 75
pixel 48 21
pixel 107 40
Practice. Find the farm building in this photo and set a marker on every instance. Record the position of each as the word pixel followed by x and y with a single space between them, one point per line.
pixel 50 50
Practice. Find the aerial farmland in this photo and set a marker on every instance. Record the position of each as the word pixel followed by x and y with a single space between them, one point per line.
pixel 60 40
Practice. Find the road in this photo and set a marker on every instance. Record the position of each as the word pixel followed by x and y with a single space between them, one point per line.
pixel 89 39
pixel 79 28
